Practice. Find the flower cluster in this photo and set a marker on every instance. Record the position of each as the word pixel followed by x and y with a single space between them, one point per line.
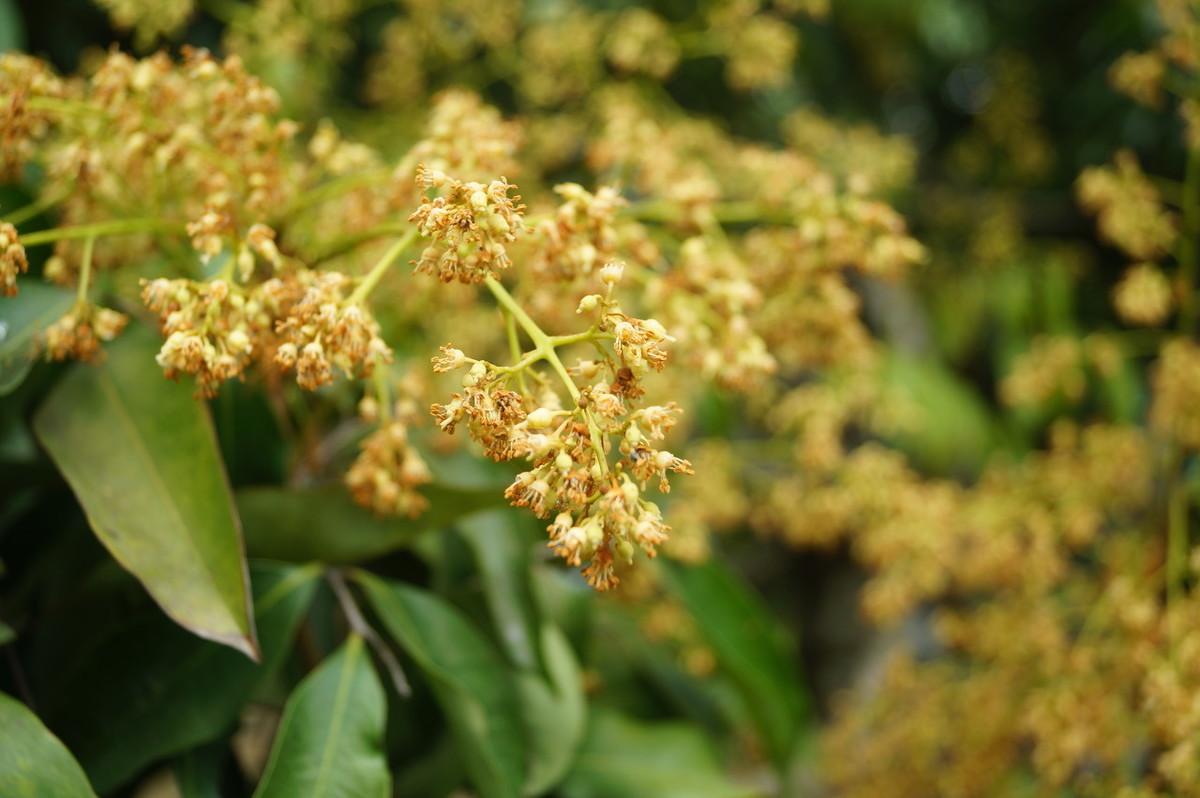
pixel 469 225
pixel 579 236
pixel 1144 296
pixel 387 472
pixel 1129 210
pixel 324 329
pixel 12 259
pixel 78 333
pixel 213 329
pixel 1176 408
pixel 599 510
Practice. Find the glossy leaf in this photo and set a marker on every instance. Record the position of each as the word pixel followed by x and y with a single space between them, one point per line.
pixel 33 763
pixel 750 647
pixel 468 678
pixel 622 757
pixel 23 317
pixel 325 525
pixel 140 454
pixel 330 740
pixel 501 551
pixel 555 713
pixel 145 689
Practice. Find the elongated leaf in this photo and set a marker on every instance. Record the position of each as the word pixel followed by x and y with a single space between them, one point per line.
pixel 33 763
pixel 555 713
pixel 323 524
pixel 330 741
pixel 145 689
pixel 139 452
pixel 622 757
pixel 749 646
pixel 501 551
pixel 468 677
pixel 22 318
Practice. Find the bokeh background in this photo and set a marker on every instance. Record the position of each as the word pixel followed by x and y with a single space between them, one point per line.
pixel 950 534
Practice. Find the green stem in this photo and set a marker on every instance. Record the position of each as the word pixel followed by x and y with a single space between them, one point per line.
pixel 373 277
pixel 85 270
pixel 354 240
pixel 514 349
pixel 27 212
pixel 544 349
pixel 99 229
pixel 542 343
pixel 335 188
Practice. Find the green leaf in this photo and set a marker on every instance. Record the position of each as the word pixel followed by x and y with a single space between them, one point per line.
pixel 501 551
pixel 12 31
pixel 750 647
pixel 330 740
pixel 950 429
pixel 622 757
pixel 468 678
pixel 324 524
pixel 198 772
pixel 140 453
pixel 555 713
pixel 7 634
pixel 23 317
pixel 33 763
pixel 145 689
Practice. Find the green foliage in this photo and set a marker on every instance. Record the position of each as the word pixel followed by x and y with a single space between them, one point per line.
pixel 21 321
pixel 622 757
pixel 473 687
pixel 138 688
pixel 330 740
pixel 750 646
pixel 33 763
pixel 140 453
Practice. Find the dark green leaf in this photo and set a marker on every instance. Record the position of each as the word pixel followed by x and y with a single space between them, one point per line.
pixel 468 677
pixel 750 646
pixel 146 689
pixel 501 551
pixel 555 713
pixel 324 524
pixel 622 757
pixel 24 316
pixel 33 763
pixel 198 771
pixel 140 453
pixel 330 741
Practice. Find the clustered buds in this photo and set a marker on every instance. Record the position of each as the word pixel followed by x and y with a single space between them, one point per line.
pixel 12 259
pixel 324 329
pixel 1129 209
pixel 1143 296
pixel 468 224
pixel 77 334
pixel 580 235
pixel 211 328
pixel 600 515
pixel 385 476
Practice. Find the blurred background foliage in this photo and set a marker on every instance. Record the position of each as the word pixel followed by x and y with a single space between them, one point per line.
pixel 728 681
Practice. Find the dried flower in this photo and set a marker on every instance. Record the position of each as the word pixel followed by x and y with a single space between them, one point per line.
pixel 469 225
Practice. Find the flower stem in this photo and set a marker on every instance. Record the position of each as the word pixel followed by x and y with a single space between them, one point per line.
pixel 373 277
pixel 27 212
pixel 99 229
pixel 542 343
pixel 85 270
